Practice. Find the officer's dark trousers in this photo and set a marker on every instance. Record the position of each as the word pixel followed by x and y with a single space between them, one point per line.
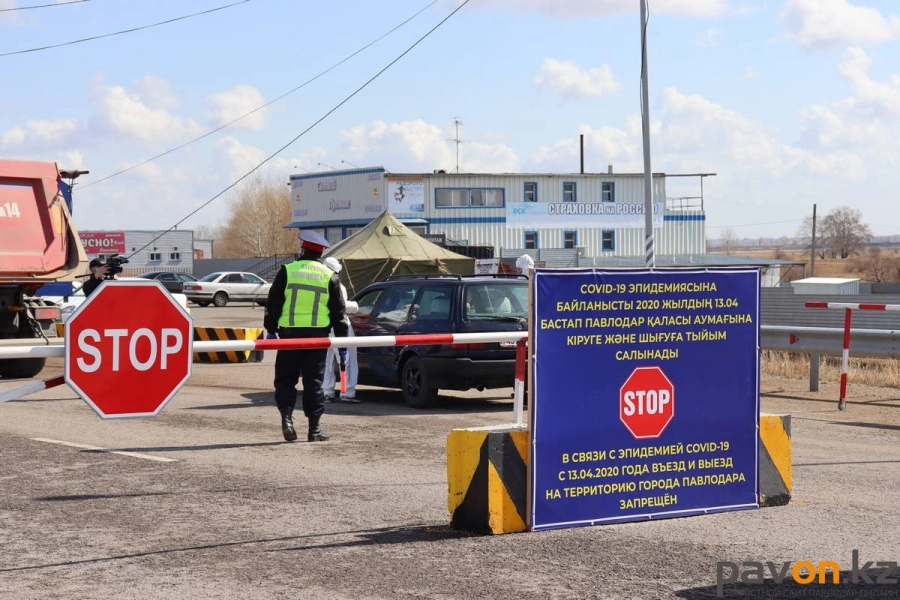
pixel 290 365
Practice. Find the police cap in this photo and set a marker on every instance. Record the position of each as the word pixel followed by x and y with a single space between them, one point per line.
pixel 312 241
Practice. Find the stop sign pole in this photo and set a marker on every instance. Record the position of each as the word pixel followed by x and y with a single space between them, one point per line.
pixel 128 349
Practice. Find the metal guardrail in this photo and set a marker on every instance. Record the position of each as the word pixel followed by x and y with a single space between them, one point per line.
pixel 868 343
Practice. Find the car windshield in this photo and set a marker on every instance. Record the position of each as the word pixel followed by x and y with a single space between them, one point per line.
pixel 211 277
pixel 494 301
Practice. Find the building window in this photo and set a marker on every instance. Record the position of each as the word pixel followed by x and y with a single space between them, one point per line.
pixel 531 191
pixel 419 229
pixel 569 191
pixel 156 256
pixel 531 240
pixel 608 242
pixel 466 197
pixel 570 239
pixel 174 255
pixel 448 198
pixel 608 191
pixel 486 197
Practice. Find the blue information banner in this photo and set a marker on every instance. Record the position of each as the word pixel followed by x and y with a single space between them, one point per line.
pixel 645 394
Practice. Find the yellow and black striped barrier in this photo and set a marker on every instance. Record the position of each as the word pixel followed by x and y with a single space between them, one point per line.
pixel 487 474
pixel 775 482
pixel 213 334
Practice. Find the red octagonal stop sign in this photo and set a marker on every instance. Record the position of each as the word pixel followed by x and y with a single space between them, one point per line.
pixel 647 402
pixel 128 349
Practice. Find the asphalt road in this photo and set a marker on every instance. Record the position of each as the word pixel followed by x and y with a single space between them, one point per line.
pixel 209 502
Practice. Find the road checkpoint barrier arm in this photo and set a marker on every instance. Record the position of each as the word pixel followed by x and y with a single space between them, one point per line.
pixel 287 344
pixel 848 308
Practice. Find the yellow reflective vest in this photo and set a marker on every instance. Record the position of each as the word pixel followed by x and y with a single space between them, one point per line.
pixel 306 295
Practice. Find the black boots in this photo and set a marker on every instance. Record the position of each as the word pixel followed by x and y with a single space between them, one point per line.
pixel 287 427
pixel 315 434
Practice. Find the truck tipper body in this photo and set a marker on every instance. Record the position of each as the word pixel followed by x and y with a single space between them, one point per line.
pixel 39 244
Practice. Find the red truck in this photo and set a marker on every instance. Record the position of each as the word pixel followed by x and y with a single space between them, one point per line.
pixel 38 245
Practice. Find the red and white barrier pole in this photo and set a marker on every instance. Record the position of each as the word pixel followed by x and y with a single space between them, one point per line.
pixel 31 388
pixel 854 306
pixel 845 359
pixel 519 385
pixel 848 308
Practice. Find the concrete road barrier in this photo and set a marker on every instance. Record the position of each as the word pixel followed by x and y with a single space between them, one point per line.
pixel 487 474
pixel 775 482
pixel 207 334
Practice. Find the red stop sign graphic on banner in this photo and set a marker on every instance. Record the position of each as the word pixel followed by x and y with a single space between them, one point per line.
pixel 128 349
pixel 647 402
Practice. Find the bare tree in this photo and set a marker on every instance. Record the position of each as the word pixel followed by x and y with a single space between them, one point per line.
pixel 729 240
pixel 845 231
pixel 258 216
pixel 804 232
pixel 879 266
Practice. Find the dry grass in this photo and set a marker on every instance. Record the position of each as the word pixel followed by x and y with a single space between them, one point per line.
pixel 878 372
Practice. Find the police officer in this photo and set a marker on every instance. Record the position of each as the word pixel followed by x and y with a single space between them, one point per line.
pixel 304 302
pixel 99 269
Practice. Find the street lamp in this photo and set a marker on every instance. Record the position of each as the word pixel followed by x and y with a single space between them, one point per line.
pixel 302 169
pixel 350 163
pixel 321 164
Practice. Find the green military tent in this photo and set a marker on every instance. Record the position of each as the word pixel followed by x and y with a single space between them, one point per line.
pixel 387 247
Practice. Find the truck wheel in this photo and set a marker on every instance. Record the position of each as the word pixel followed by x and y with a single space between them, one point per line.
pixel 417 391
pixel 22 368
pixel 220 299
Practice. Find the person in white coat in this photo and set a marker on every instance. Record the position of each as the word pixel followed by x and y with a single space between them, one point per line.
pixel 333 357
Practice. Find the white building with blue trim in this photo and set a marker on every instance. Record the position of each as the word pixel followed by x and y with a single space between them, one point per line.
pixel 591 214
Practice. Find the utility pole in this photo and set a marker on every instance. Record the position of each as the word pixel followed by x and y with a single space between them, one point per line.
pixel 812 258
pixel 645 126
pixel 458 141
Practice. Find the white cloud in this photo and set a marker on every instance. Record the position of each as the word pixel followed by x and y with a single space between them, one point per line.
pixel 692 134
pixel 814 23
pixel 579 9
pixel 241 157
pixel 37 134
pixel 146 117
pixel 567 79
pixel 418 145
pixel 236 102
pixel 709 38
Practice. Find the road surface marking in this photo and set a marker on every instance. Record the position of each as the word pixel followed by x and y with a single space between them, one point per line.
pixel 98 449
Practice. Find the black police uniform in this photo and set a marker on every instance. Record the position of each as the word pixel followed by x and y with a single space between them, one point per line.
pixel 290 365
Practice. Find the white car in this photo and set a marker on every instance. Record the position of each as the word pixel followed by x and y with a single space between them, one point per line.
pixel 223 287
pixel 68 304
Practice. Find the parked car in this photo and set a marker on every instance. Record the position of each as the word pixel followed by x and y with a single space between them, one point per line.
pixel 70 302
pixel 440 304
pixel 173 282
pixel 223 287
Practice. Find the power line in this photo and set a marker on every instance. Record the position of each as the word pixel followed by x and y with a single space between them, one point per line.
pixel 308 129
pixel 43 5
pixel 274 100
pixel 133 29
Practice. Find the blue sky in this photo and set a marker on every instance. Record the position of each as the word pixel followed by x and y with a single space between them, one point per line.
pixel 791 102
